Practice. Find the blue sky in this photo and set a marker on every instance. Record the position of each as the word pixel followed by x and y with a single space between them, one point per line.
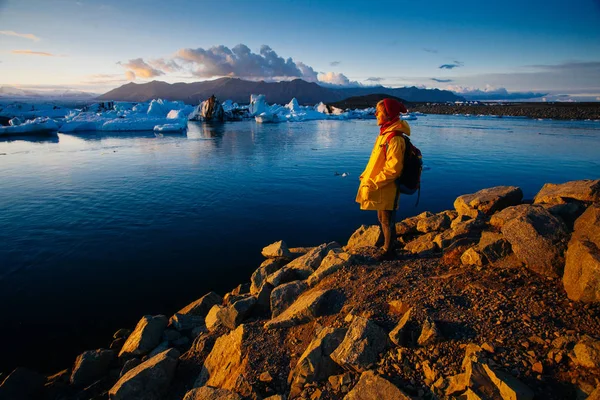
pixel 504 48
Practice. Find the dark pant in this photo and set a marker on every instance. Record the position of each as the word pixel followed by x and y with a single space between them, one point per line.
pixel 387 219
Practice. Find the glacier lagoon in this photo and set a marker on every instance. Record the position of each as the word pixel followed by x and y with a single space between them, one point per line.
pixel 99 228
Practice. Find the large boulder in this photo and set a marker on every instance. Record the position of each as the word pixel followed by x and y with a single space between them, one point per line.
pixel 362 345
pixel 209 393
pixel 493 246
pixel 468 231
pixel 285 295
pixel 502 217
pixel 373 387
pixel 149 381
pixel 364 236
pixel 587 353
pixel 21 384
pixel 488 201
pixel 307 307
pixel 316 364
pixel 424 245
pixel 277 249
pixel 231 317
pixel 302 267
pixel 268 267
pixel 437 222
pixel 335 260
pixel 90 366
pixel 538 239
pixel 212 320
pixel 227 364
pixel 409 225
pixel 585 190
pixel 202 306
pixel 145 337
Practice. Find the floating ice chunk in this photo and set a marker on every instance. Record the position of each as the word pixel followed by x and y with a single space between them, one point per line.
pixel 35 126
pixel 15 121
pixel 258 104
pixel 165 128
pixel 293 106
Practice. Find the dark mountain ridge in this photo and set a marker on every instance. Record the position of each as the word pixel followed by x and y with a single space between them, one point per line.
pixel 239 91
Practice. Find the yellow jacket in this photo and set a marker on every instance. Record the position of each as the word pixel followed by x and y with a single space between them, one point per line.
pixel 378 190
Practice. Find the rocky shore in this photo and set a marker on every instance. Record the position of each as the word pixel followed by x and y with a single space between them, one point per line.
pixel 498 298
pixel 563 111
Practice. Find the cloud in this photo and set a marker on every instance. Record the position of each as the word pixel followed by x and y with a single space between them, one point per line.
pixel 428 50
pixel 29 36
pixel 239 62
pixel 374 79
pixel 336 79
pixel 308 73
pixel 490 93
pixel 441 80
pixel 140 68
pixel 35 53
pixel 130 75
pixel 456 64
pixel 335 63
pixel 165 65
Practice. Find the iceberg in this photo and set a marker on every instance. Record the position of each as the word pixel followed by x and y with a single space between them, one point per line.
pixel 37 126
pixel 32 111
pixel 161 114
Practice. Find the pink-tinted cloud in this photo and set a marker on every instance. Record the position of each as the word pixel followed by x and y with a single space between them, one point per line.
pixel 140 68
pixel 29 36
pixel 34 53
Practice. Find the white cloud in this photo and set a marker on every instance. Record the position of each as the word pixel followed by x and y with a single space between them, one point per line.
pixel 336 79
pixel 130 75
pixel 140 68
pixel 29 36
pixel 165 65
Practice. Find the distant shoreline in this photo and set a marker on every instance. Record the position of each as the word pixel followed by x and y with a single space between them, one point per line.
pixel 559 111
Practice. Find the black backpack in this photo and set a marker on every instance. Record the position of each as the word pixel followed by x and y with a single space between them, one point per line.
pixel 410 180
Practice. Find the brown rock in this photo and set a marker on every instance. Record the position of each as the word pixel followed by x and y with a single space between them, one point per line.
pixel 437 222
pixel 235 314
pixel 361 346
pixel 584 190
pixel 202 306
pixel 335 260
pixel 268 267
pixel 398 334
pixel 409 225
pixel 509 387
pixel 90 366
pixel 275 250
pixel 472 257
pixel 364 236
pixel 539 240
pixel 430 333
pixel 488 201
pixel 209 393
pixel 145 337
pixel 316 364
pixel 129 365
pixel 212 320
pixel 285 295
pixel 581 278
pixel 423 245
pixel 306 308
pixel 502 217
pixel 373 387
pixel 227 364
pixel 149 380
pixel 587 353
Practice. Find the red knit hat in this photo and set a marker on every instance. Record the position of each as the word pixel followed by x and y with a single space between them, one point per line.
pixel 393 107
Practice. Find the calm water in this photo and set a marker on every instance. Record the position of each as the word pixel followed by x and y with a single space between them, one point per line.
pixel 97 230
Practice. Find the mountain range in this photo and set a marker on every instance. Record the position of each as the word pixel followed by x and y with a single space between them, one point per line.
pixel 239 91
pixel 11 92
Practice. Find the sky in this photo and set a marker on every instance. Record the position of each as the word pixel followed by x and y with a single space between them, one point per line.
pixel 489 50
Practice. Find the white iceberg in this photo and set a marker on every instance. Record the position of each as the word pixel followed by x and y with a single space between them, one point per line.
pixel 40 125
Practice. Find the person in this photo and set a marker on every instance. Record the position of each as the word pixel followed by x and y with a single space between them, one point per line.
pixel 378 187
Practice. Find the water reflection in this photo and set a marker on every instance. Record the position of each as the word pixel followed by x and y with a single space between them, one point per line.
pixel 48 138
pixel 100 135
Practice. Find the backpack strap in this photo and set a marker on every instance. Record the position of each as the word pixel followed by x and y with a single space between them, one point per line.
pixel 387 141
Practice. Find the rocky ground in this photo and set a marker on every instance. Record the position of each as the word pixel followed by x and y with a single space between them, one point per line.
pixel 581 111
pixel 496 299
